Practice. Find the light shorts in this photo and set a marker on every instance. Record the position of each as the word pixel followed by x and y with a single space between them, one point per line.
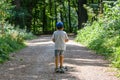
pixel 59 52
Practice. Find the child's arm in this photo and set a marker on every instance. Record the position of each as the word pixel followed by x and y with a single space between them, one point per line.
pixel 53 37
pixel 53 40
pixel 66 40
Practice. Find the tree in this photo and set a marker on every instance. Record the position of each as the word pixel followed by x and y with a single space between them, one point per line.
pixel 5 6
pixel 41 16
pixel 69 16
pixel 82 13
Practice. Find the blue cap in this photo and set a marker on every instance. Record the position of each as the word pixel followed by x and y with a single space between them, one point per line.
pixel 59 24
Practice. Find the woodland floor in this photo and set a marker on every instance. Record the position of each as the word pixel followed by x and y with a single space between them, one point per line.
pixel 36 62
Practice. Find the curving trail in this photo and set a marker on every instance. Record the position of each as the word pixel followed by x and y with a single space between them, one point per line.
pixel 36 62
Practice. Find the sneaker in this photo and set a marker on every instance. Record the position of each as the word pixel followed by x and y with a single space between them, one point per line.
pixel 57 70
pixel 65 68
pixel 62 70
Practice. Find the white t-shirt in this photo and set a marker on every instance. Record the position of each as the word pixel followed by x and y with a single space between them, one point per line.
pixel 60 37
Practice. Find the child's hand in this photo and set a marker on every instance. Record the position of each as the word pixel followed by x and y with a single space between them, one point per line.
pixel 53 40
pixel 66 40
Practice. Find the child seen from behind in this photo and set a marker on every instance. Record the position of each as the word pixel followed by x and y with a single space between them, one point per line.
pixel 59 37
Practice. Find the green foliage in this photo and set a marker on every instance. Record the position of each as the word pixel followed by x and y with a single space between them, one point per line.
pixel 116 56
pixel 8 45
pixel 103 35
pixel 5 7
pixel 16 32
pixel 40 16
pixel 90 12
pixel 12 40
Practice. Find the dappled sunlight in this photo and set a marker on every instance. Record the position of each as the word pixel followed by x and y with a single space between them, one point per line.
pixel 71 42
pixel 78 50
pixel 73 70
pixel 76 66
pixel 71 67
pixel 47 42
pixel 40 43
pixel 39 40
pixel 79 59
pixel 28 76
pixel 38 63
pixel 31 76
pixel 86 62
pixel 19 67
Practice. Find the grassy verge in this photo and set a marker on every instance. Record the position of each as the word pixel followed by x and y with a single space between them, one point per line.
pixel 12 40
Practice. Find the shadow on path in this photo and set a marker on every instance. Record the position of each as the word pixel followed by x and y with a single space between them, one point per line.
pixel 36 62
pixel 82 56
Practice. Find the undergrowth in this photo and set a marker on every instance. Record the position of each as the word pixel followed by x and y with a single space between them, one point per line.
pixel 11 40
pixel 103 35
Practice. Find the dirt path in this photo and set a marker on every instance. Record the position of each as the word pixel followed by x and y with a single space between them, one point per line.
pixel 36 63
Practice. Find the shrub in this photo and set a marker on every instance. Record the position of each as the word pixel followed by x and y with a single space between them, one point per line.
pixel 12 40
pixel 103 35
pixel 116 57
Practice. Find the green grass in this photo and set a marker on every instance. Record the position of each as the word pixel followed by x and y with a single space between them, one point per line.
pixel 12 40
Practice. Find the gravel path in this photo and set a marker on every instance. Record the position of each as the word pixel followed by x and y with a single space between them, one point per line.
pixel 36 62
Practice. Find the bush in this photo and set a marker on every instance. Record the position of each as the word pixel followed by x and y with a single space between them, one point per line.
pixel 116 57
pixel 11 40
pixel 103 35
pixel 8 45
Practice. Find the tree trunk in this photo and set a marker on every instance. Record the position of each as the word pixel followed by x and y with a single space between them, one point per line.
pixel 82 13
pixel 92 1
pixel 61 11
pixel 17 3
pixel 50 7
pixel 34 21
pixel 65 17
pixel 55 12
pixel 79 14
pixel 44 17
pixel 70 28
pixel 101 6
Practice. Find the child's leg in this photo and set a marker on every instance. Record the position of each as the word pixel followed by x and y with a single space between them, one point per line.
pixel 56 61
pixel 56 58
pixel 61 58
